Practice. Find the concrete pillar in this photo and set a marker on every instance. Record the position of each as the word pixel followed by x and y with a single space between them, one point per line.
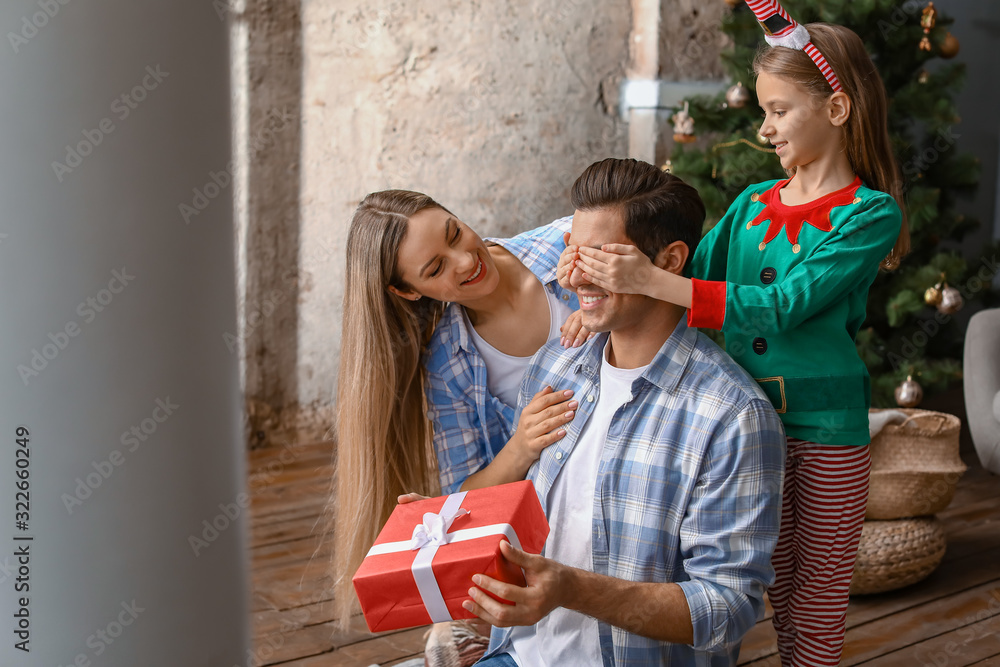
pixel 268 78
pixel 644 125
pixel 120 410
pixel 676 42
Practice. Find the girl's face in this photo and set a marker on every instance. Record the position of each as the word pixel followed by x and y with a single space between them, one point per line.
pixel 800 128
pixel 443 259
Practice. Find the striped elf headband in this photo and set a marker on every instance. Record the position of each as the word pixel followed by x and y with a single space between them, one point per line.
pixel 782 30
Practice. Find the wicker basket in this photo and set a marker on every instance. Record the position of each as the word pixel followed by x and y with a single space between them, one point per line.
pixel 894 554
pixel 915 466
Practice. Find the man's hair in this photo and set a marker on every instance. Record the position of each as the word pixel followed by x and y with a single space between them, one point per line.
pixel 657 208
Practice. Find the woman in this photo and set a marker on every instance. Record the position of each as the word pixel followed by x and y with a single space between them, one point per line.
pixel 438 327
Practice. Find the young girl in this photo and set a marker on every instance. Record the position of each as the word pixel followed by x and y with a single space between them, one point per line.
pixel 785 275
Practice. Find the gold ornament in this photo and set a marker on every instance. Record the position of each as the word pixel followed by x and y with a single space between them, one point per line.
pixel 737 96
pixel 949 47
pixel 951 300
pixel 932 296
pixel 923 76
pixel 683 126
pixel 667 167
pixel 761 139
pixel 928 18
pixel 909 393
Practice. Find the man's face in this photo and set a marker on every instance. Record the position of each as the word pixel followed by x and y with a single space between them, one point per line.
pixel 603 310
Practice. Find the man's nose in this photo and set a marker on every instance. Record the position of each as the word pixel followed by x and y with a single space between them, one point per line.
pixel 576 277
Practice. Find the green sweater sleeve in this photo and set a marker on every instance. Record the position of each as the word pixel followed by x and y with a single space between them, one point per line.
pixel 839 265
pixel 711 256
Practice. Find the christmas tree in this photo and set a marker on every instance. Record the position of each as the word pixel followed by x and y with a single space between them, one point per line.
pixel 910 329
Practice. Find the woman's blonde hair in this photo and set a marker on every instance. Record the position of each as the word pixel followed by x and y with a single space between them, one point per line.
pixel 866 133
pixel 384 445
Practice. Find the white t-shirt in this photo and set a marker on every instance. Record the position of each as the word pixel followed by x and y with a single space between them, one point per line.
pixel 566 637
pixel 503 371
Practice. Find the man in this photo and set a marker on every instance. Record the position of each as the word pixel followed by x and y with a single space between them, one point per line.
pixel 664 495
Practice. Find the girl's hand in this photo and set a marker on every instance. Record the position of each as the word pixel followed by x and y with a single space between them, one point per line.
pixel 565 266
pixel 541 423
pixel 574 334
pixel 409 498
pixel 616 267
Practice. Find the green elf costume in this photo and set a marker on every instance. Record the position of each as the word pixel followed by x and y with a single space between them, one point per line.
pixel 790 305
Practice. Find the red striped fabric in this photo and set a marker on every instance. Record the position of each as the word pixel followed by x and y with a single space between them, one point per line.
pixel 823 66
pixel 822 513
pixel 764 9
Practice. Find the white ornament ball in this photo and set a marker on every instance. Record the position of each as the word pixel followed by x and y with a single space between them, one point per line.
pixel 951 301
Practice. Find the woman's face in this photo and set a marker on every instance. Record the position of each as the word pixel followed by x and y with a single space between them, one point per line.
pixel 443 259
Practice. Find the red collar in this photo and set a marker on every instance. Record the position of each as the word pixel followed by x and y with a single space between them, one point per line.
pixel 815 213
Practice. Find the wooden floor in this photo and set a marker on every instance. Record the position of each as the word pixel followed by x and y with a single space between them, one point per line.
pixel 951 619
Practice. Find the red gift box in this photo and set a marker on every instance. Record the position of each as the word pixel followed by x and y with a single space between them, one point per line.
pixel 401 587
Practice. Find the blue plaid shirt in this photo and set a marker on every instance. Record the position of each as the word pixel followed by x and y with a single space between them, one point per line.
pixel 470 425
pixel 688 489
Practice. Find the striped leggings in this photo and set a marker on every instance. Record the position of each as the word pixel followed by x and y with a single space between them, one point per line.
pixel 822 512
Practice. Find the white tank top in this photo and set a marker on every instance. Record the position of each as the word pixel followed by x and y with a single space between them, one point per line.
pixel 504 371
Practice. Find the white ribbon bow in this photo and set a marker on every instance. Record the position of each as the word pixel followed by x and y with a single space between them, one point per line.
pixel 434 529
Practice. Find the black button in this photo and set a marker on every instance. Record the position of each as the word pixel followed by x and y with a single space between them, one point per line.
pixel 774 24
pixel 759 345
pixel 768 275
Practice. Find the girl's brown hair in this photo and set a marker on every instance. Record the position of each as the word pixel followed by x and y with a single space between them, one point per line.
pixel 384 445
pixel 866 133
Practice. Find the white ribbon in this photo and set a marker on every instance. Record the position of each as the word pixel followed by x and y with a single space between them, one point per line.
pixel 428 537
pixel 434 529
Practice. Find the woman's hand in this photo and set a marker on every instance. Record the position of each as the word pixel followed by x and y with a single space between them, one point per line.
pixel 565 266
pixel 541 423
pixel 574 334
pixel 616 267
pixel 539 426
